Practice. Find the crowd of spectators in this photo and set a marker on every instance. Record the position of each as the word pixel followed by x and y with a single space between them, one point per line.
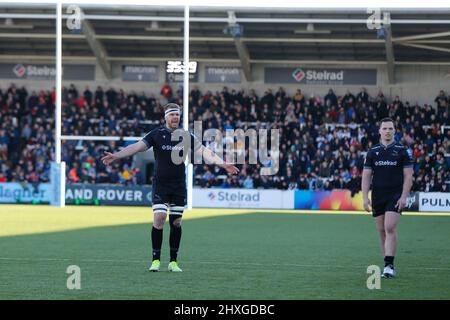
pixel 26 135
pixel 323 139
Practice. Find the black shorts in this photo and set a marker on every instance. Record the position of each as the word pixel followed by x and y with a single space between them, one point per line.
pixel 385 201
pixel 170 193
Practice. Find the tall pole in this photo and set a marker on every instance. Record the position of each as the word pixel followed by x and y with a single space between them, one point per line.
pixel 58 168
pixel 58 82
pixel 186 101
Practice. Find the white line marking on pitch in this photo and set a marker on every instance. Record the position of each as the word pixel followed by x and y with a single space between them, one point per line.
pixel 215 262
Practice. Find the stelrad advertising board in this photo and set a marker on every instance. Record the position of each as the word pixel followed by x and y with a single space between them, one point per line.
pixel 242 198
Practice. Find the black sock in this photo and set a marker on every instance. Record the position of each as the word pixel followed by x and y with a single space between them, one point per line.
pixel 157 237
pixel 389 261
pixel 174 242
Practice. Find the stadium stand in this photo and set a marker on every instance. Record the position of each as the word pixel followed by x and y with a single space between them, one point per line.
pixel 324 139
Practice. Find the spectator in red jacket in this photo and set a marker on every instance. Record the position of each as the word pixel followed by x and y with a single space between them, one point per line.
pixel 166 91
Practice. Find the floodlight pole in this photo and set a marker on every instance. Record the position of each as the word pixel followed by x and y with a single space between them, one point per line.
pixel 189 167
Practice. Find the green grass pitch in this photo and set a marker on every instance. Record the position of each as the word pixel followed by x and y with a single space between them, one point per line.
pixel 225 254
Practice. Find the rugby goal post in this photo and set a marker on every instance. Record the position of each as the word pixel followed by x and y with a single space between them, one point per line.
pixel 58 169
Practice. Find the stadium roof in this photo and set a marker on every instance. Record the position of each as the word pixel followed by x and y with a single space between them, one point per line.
pixel 268 36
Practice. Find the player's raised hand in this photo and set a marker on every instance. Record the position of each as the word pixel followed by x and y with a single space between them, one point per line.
pixel 108 158
pixel 231 169
pixel 367 205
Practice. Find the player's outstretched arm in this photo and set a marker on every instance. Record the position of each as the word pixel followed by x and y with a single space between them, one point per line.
pixel 128 151
pixel 213 158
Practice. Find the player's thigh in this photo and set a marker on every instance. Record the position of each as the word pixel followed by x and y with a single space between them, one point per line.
pixel 392 202
pixel 160 208
pixel 176 209
pixel 379 203
pixel 177 205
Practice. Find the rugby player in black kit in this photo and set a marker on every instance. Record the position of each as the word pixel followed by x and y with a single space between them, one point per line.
pixel 169 183
pixel 389 166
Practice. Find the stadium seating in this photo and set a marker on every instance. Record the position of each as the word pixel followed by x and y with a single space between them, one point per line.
pixel 323 140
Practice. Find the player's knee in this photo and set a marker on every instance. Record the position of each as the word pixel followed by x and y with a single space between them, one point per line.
pixel 380 228
pixel 175 221
pixel 158 224
pixel 159 220
pixel 390 229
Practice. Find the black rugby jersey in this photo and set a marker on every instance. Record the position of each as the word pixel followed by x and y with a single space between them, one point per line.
pixel 387 163
pixel 161 140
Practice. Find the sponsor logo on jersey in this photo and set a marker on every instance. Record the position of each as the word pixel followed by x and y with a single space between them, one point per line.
pixel 386 163
pixel 169 147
